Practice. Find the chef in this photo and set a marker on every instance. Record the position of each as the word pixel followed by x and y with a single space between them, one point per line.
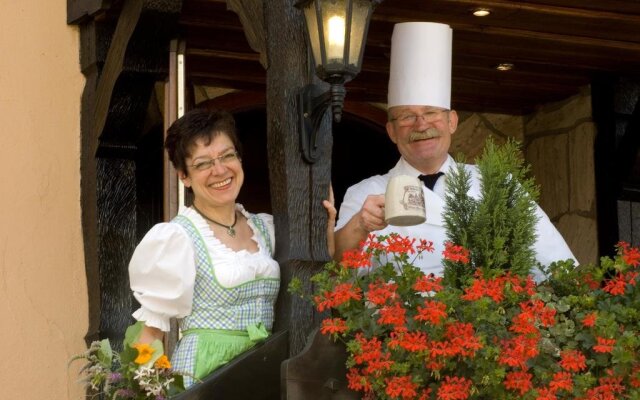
pixel 421 123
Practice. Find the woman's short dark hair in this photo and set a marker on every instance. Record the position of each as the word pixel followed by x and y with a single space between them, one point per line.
pixel 198 124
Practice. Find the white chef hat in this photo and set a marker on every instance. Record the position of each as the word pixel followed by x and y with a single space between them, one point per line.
pixel 420 71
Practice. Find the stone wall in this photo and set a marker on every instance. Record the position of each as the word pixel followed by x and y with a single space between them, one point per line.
pixel 558 144
pixel 559 140
pixel 474 129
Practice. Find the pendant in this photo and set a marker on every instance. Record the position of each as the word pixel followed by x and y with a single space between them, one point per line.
pixel 231 232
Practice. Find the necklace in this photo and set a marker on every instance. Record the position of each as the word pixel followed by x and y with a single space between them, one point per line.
pixel 230 228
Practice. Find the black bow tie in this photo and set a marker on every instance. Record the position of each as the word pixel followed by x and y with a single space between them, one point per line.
pixel 430 179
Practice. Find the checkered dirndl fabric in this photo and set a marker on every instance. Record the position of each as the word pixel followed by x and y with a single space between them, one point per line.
pixel 217 307
pixel 264 232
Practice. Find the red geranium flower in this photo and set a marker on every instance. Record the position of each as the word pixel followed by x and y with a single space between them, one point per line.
pixel 379 292
pixel 518 381
pixel 428 283
pixel 392 315
pixel 455 253
pixel 573 360
pixel 562 380
pixel 454 388
pixel 589 320
pixel 401 386
pixel 616 285
pixel 604 345
pixel 333 325
pixel 433 312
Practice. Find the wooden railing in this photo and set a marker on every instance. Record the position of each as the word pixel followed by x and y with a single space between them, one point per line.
pixel 317 373
pixel 265 373
pixel 254 375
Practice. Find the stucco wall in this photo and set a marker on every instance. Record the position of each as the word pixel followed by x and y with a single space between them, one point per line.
pixel 43 300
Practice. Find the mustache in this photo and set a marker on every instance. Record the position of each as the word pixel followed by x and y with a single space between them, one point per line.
pixel 427 134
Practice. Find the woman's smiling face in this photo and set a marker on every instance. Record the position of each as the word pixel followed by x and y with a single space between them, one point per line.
pixel 218 185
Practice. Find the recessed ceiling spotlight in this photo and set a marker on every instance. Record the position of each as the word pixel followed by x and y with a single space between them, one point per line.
pixel 481 12
pixel 504 67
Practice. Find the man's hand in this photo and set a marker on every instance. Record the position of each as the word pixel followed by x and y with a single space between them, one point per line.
pixel 371 215
pixel 329 204
pixel 370 218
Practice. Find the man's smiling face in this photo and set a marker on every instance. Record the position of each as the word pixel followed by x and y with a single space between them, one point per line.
pixel 422 134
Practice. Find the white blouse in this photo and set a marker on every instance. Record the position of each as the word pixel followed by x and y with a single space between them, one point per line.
pixel 162 270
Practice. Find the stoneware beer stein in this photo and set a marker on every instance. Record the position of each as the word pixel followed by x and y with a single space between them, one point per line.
pixel 404 201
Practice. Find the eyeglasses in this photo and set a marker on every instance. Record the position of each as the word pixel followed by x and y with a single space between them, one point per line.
pixel 410 119
pixel 225 159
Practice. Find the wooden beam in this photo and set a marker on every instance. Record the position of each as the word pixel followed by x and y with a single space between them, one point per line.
pixel 540 8
pixel 297 188
pixel 212 37
pixel 223 54
pixel 127 22
pixel 252 18
pixel 228 83
pixel 552 37
pixel 79 11
pixel 381 35
pixel 121 60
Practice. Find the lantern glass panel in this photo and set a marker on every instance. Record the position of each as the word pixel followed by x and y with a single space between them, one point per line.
pixel 361 10
pixel 311 18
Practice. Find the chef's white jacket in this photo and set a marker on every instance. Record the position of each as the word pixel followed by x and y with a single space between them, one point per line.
pixel 549 245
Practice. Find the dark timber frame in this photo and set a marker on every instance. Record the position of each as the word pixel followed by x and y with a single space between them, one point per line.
pixel 124 52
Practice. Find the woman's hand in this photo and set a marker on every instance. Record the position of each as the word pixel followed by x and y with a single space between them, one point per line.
pixel 331 221
pixel 149 334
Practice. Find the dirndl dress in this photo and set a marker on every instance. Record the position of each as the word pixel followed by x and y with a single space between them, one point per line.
pixel 224 321
pixel 220 321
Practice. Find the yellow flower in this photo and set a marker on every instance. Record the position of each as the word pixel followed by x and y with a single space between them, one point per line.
pixel 162 362
pixel 144 353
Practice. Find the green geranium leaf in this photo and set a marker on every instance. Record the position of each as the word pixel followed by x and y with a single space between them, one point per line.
pixel 562 307
pixel 178 385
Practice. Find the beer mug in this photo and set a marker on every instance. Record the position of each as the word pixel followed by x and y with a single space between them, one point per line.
pixel 404 201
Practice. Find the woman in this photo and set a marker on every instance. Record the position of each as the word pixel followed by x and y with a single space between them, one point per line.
pixel 212 265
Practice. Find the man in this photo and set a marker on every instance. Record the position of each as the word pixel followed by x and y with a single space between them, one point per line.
pixel 421 124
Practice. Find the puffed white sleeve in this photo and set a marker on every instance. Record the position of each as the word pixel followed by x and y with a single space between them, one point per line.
pixel 162 275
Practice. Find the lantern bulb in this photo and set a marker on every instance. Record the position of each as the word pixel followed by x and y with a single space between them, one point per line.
pixel 336 37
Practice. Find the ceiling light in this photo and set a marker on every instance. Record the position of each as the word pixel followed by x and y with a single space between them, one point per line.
pixel 481 12
pixel 504 67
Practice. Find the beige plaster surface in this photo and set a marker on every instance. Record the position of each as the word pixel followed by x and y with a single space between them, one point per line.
pixel 43 299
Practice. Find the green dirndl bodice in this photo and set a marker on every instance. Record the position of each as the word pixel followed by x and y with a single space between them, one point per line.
pixel 224 322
